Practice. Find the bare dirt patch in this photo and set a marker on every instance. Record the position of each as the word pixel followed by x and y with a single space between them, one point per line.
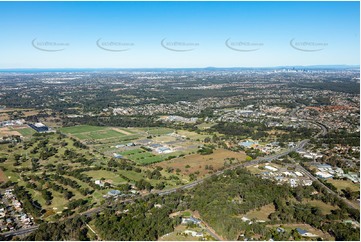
pixel 4 116
pixel 3 177
pixel 122 131
pixel 30 113
pixel 5 131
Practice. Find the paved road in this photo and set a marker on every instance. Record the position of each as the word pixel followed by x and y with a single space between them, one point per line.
pixel 20 231
pixel 269 158
pixel 205 227
pixel 307 173
pixel 166 192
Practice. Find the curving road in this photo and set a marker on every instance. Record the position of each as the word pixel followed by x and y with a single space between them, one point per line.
pixel 300 145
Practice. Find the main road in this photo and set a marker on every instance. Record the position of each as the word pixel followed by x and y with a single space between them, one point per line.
pixel 300 145
pixel 96 210
pixel 313 178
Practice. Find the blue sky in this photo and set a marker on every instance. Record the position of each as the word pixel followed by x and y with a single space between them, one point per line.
pixel 323 33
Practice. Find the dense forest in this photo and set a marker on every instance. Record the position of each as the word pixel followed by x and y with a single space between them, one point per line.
pixel 71 229
pixel 140 220
pixel 240 192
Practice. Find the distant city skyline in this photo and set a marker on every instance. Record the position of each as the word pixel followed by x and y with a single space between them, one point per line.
pixel 178 34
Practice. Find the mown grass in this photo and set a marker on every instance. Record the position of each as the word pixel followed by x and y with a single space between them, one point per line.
pixel 81 129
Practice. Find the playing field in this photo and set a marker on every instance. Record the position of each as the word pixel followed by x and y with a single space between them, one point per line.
pixel 196 162
pixel 81 129
pixel 26 131
pixel 157 131
pixel 86 132
pixel 142 157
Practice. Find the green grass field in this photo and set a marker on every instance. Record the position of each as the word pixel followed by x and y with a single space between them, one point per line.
pixel 142 157
pixel 26 131
pixel 131 175
pixel 107 175
pixel 324 207
pixel 87 132
pixel 157 131
pixel 104 134
pixel 81 129
pixel 261 213
pixel 342 184
pixel 205 125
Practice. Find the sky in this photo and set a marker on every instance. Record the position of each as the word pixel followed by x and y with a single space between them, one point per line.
pixel 178 34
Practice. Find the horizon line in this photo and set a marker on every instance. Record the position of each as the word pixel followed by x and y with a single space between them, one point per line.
pixel 208 67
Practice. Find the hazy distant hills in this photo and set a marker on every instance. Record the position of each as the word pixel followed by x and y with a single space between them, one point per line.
pixel 310 67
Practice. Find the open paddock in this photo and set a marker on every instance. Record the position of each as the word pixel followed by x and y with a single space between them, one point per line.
pixel 26 131
pixel 142 157
pixel 157 131
pixel 81 129
pixel 197 162
pixel 262 213
pixel 3 177
pixel 324 207
pixel 4 117
pixel 103 134
pixel 343 184
pixel 8 131
pixel 87 132
pixel 193 135
pixel 109 176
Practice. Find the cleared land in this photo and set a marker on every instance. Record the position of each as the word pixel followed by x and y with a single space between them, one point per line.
pixel 307 227
pixel 7 131
pixel 81 129
pixel 193 135
pixel 142 157
pixel 109 176
pixel 26 131
pixel 126 132
pixel 197 162
pixel 103 134
pixel 4 116
pixel 22 130
pixel 325 208
pixel 3 177
pixel 86 132
pixel 177 234
pixel 157 131
pixel 342 184
pixel 205 125
pixel 261 213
